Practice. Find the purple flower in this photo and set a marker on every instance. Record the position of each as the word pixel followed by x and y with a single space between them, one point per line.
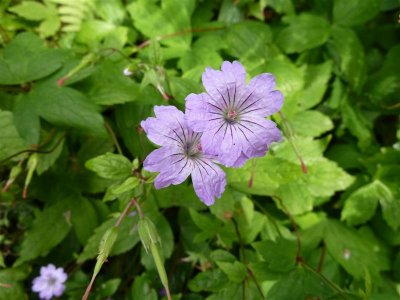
pixel 231 114
pixel 181 155
pixel 50 283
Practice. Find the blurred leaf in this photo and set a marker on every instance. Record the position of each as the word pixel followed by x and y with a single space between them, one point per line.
pixel 11 285
pixel 236 271
pixel 27 120
pixel 49 229
pixel 110 166
pixel 141 288
pixel 356 12
pixel 211 280
pixel 304 32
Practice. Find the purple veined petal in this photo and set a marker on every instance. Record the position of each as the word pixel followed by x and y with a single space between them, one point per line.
pixel 240 161
pixel 165 129
pixel 168 114
pixel 260 133
pixel 174 174
pixel 201 114
pixel 261 98
pixel 158 159
pixel 225 85
pixel 208 181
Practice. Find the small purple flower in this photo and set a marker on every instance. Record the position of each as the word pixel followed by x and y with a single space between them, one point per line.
pixel 231 114
pixel 50 283
pixel 181 155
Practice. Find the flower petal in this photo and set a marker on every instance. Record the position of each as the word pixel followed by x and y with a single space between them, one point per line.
pixel 166 129
pixel 201 114
pixel 162 157
pixel 260 97
pixel 225 86
pixel 257 135
pixel 174 173
pixel 208 181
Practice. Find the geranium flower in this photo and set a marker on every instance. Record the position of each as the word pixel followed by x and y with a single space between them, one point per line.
pixel 231 114
pixel 50 283
pixel 181 155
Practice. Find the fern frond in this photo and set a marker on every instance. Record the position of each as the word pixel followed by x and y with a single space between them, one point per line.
pixel 73 12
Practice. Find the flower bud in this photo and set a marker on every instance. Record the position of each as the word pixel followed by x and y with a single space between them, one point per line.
pixel 148 233
pixel 32 164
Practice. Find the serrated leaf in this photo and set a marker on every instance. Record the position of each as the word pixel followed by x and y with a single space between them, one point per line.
pixel 279 255
pixel 236 271
pixel 110 166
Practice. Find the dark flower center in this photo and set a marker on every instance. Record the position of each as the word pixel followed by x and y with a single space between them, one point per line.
pixel 193 149
pixel 51 280
pixel 231 116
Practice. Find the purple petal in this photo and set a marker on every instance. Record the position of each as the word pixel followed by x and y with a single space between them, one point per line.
pixel 58 289
pixel 240 161
pixel 223 85
pixel 260 97
pixel 200 113
pixel 175 173
pixel 208 181
pixel 258 133
pixel 164 130
pixel 157 160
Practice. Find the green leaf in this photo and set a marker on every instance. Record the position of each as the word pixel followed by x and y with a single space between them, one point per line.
pixel 34 11
pixel 10 140
pixel 211 281
pixel 154 21
pixel 235 271
pixel 301 284
pixel 357 122
pixel 46 160
pixel 110 166
pixel 119 189
pixel 11 286
pixel 316 82
pixel 356 12
pixel 126 239
pixel 304 32
pixel 48 230
pixel 27 120
pixel 247 39
pixel 390 207
pixel 361 205
pixel 383 87
pixel 25 59
pixel 311 123
pixel 279 255
pixel 68 108
pixel 141 288
pixel 349 54
pixel 353 251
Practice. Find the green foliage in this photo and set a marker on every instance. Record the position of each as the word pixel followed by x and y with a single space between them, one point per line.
pixel 317 217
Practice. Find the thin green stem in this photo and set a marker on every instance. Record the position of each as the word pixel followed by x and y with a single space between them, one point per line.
pixel 113 137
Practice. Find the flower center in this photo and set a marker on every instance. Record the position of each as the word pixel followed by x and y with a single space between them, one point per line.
pixel 193 149
pixel 51 281
pixel 231 116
